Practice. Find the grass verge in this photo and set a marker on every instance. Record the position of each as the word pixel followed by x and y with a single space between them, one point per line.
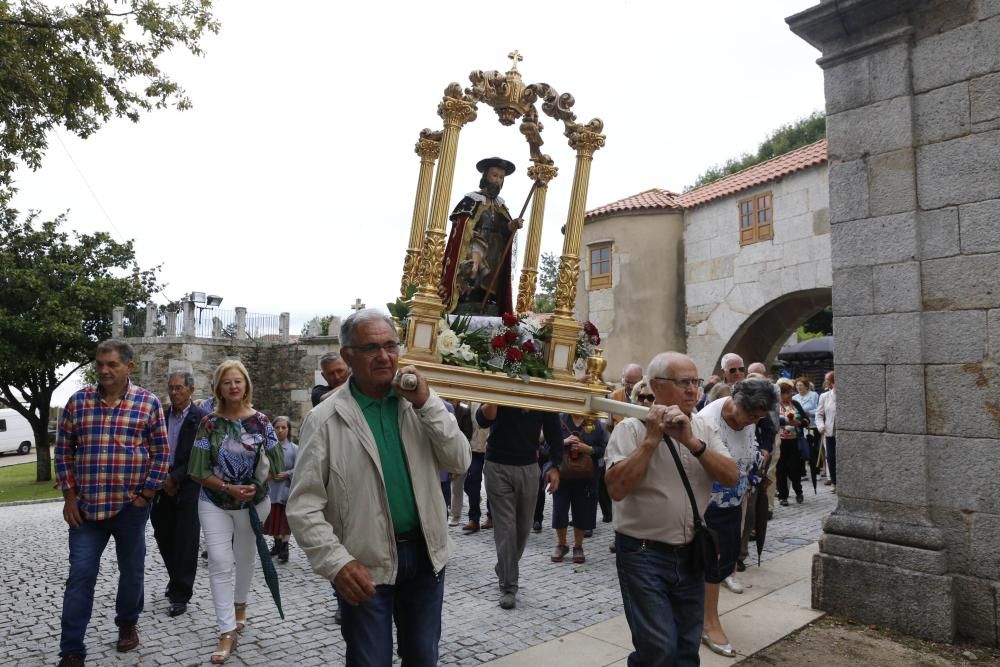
pixel 17 482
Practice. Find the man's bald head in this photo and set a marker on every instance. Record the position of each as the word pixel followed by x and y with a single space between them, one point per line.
pixel 631 374
pixel 758 368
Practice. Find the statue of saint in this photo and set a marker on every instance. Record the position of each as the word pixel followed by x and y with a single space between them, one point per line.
pixel 476 278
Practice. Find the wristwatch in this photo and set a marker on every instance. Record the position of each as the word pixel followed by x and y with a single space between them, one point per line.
pixel 701 450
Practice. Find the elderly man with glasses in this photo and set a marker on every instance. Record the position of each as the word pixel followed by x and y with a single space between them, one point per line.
pixel 365 503
pixel 663 589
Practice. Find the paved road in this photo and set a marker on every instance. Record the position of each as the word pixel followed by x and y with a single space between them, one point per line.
pixel 555 599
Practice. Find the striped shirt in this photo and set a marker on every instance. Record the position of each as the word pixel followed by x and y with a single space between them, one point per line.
pixel 108 454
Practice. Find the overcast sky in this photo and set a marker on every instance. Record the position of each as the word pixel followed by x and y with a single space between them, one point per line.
pixel 289 186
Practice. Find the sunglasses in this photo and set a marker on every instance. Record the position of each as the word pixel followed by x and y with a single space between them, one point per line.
pixel 646 397
pixel 741 369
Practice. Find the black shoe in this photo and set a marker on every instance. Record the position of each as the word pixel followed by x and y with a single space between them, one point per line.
pixel 177 608
pixel 276 549
pixel 799 498
pixel 283 553
pixel 588 533
pixel 536 527
pixel 71 661
pixel 612 548
pixel 204 554
pixel 606 518
pixel 783 502
pixel 741 566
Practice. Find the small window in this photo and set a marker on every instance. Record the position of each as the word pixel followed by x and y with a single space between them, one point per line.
pixel 756 218
pixel 600 266
pixel 3 425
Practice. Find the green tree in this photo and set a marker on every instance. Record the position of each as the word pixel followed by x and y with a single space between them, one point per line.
pixel 548 278
pixel 56 297
pixel 786 138
pixel 79 65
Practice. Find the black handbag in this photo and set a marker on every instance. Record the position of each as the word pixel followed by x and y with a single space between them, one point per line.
pixel 705 545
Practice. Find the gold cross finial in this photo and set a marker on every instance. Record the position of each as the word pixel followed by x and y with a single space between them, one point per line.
pixel 515 55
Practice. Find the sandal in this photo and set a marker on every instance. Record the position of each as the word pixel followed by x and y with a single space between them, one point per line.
pixel 578 556
pixel 241 616
pixel 559 553
pixel 222 654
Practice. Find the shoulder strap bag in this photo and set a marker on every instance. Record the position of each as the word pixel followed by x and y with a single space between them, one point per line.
pixel 705 546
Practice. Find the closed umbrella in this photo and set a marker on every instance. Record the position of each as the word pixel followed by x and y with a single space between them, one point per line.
pixel 266 564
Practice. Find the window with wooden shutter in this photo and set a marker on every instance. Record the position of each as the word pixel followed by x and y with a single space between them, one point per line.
pixel 600 266
pixel 756 218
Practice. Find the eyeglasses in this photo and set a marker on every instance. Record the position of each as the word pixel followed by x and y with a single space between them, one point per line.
pixel 741 369
pixel 646 397
pixel 371 349
pixel 684 383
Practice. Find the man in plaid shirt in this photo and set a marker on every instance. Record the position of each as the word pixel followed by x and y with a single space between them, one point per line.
pixel 111 458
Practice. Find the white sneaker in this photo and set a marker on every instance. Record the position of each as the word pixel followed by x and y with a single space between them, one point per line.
pixel 453 522
pixel 733 585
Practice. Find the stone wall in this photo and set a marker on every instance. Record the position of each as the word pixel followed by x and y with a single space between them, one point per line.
pixel 727 284
pixel 282 373
pixel 913 103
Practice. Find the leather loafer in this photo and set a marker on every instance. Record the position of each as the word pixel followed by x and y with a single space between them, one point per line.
pixel 725 650
pixel 471 527
pixel 178 608
pixel 128 637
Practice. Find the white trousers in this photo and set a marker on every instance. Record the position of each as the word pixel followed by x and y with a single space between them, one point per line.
pixel 232 552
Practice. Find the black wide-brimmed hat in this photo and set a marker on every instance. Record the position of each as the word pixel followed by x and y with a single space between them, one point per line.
pixel 506 165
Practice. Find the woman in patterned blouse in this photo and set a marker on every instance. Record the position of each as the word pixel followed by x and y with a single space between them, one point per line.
pixel 233 452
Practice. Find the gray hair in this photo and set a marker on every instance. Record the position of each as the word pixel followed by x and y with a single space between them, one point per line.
pixel 123 349
pixel 328 358
pixel 755 395
pixel 366 315
pixel 188 378
pixel 662 363
pixel 727 357
pixel 718 390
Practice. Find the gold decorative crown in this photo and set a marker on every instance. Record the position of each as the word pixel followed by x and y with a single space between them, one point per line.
pixel 504 92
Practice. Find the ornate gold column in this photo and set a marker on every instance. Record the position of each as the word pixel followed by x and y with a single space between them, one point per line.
pixel 427 147
pixel 542 174
pixel 586 140
pixel 455 110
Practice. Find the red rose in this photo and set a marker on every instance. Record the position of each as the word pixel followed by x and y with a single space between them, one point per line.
pixel 498 342
pixel 595 340
pixel 590 329
pixel 510 337
pixel 528 346
pixel 514 354
pixel 509 319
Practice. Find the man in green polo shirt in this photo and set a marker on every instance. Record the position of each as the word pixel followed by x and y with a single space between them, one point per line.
pixel 366 505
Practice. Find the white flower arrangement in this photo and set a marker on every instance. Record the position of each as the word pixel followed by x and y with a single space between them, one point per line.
pixel 448 343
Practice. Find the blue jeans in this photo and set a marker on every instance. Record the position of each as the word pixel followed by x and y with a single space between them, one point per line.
pixel 86 544
pixel 664 604
pixel 414 602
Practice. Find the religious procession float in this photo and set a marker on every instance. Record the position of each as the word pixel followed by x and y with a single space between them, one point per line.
pixel 463 325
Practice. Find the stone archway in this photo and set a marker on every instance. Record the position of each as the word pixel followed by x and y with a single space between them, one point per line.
pixel 760 336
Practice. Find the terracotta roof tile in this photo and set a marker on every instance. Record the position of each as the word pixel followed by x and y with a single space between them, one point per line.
pixel 797 160
pixel 653 199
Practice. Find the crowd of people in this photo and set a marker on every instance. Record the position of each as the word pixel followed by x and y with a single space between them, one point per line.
pixel 383 467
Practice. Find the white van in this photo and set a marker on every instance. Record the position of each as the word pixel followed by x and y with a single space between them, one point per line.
pixel 15 433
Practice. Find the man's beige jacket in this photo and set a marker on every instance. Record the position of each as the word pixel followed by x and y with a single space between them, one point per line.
pixel 338 508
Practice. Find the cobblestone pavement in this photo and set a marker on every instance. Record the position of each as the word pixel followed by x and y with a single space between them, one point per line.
pixel 555 599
